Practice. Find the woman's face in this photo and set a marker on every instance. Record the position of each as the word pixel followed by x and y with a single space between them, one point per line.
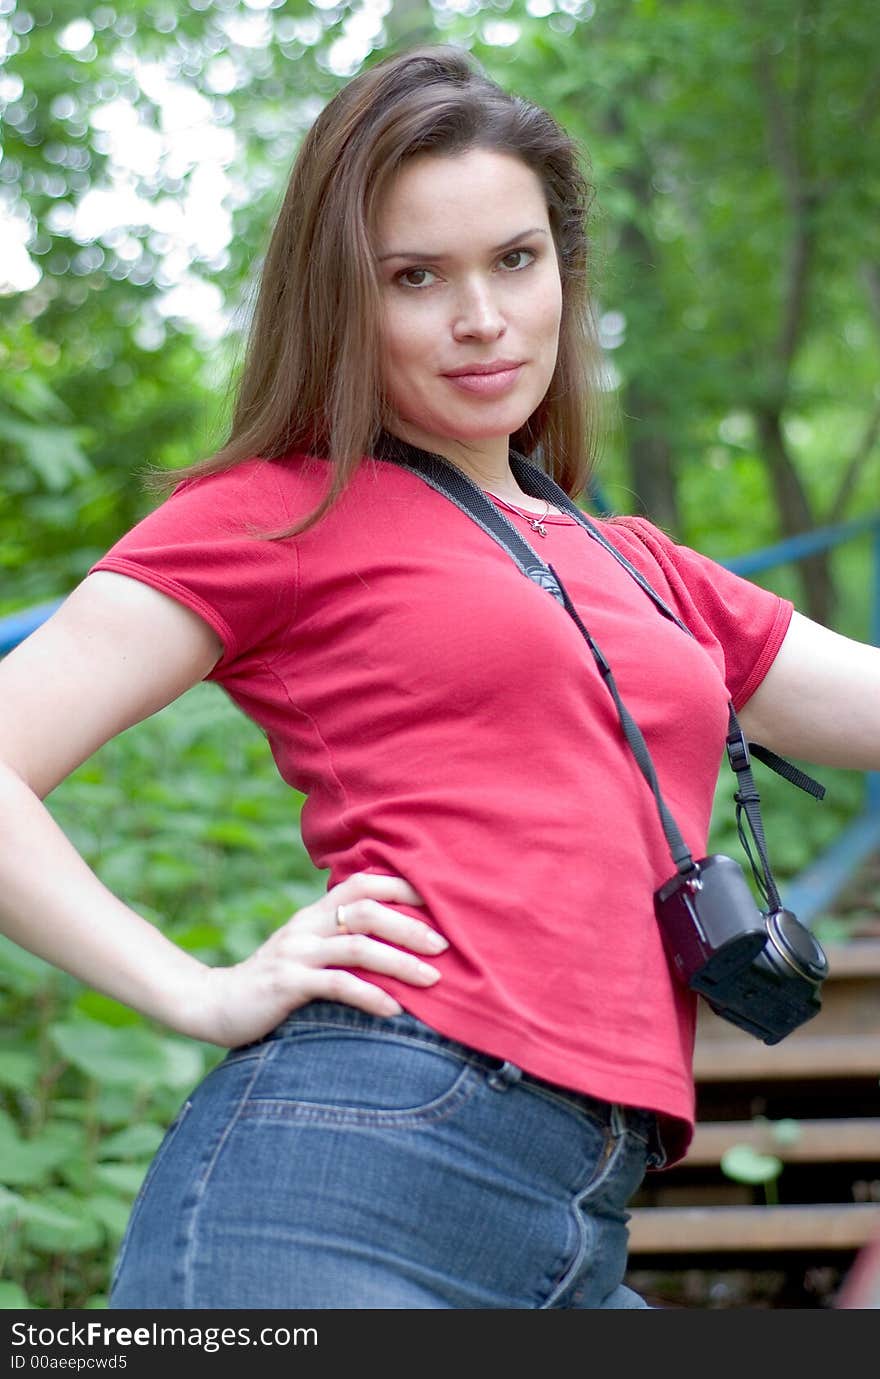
pixel 471 301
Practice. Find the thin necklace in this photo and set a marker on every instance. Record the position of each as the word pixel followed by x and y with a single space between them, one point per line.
pixel 535 522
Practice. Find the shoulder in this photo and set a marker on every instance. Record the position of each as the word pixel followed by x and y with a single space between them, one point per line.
pixel 268 495
pixel 653 551
pixel 636 533
pixel 744 619
pixel 258 494
pixel 648 546
pixel 208 545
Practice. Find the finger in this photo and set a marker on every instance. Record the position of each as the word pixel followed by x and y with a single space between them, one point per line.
pixel 374 886
pixel 332 984
pixel 358 950
pixel 370 917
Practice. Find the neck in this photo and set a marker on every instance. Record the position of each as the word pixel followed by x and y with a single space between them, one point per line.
pixel 495 478
pixel 486 462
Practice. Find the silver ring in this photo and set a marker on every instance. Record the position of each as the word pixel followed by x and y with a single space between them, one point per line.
pixel 341 926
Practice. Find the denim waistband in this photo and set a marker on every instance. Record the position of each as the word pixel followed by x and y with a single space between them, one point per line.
pixel 500 1072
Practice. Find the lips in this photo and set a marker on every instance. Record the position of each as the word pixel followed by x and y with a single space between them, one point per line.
pixel 473 370
pixel 486 380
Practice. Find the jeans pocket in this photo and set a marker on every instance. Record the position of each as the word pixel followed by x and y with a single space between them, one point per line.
pixel 345 1076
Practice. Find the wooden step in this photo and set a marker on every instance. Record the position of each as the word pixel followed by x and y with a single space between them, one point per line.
pixel 851 1140
pixel 798 1056
pixel 696 1231
pixel 694 1217
pixel 842 1040
pixel 858 958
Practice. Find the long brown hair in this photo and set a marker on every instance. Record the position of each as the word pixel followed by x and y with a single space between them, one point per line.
pixel 311 379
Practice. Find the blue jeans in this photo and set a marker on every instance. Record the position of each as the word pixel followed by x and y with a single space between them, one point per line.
pixel 350 1161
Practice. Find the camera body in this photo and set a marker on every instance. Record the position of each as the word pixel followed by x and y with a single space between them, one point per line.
pixel 760 970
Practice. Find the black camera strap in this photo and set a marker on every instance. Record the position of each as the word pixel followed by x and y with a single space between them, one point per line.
pixel 454 484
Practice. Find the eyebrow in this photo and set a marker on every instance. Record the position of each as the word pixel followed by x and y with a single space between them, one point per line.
pixel 441 258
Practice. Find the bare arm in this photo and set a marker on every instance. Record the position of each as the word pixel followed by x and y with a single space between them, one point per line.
pixel 820 699
pixel 116 652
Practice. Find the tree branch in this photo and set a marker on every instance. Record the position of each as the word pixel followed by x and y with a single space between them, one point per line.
pixel 871 276
pixel 863 453
pixel 783 150
pixel 870 104
pixel 796 271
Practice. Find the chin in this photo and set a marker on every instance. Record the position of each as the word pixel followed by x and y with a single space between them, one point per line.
pixel 473 430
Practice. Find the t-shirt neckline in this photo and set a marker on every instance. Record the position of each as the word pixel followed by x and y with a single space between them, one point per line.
pixel 557 517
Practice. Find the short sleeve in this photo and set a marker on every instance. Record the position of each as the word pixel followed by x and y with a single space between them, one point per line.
pixel 206 546
pixel 747 622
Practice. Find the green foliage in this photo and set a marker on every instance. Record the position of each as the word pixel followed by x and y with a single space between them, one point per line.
pixel 724 140
pixel 742 1163
pixel 717 135
pixel 735 254
pixel 798 827
pixel 87 1086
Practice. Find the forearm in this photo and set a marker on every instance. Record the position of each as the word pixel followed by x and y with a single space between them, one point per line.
pixel 52 904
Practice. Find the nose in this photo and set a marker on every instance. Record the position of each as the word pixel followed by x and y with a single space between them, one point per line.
pixel 478 315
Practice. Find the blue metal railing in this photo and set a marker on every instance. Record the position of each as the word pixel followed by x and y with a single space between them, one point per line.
pixel 811 892
pixel 17 626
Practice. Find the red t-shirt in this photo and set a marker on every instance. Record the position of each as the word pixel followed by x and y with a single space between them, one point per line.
pixel 446 722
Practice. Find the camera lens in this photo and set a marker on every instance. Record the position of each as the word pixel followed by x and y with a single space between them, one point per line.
pixel 796 945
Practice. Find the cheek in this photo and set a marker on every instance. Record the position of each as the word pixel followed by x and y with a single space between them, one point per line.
pixel 547 323
pixel 407 347
pixel 542 316
pixel 553 312
pixel 394 352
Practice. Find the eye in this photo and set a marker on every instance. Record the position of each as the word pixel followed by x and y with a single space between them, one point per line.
pixel 408 277
pixel 517 258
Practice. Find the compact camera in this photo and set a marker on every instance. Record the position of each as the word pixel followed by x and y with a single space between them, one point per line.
pixel 760 970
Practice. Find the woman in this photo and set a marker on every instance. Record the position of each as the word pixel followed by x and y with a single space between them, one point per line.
pixel 449 1074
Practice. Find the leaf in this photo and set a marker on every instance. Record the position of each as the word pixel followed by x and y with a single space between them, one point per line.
pixel 12 1295
pixel 52 452
pixel 31 395
pixel 22 971
pixel 111 1212
pixel 242 938
pixel 787 1131
pixel 744 1164
pixel 184 1063
pixel 236 835
pixel 117 1106
pixel 199 937
pixel 19 1069
pixel 124 1178
pixel 136 1141
pixel 30 1161
pixel 105 1010
pixel 122 866
pixel 62 1222
pixel 10 1208
pixel 124 1056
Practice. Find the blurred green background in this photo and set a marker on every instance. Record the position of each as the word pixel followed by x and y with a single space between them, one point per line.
pixel 145 148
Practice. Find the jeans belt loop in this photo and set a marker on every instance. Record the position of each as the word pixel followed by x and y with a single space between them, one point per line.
pixel 500 1079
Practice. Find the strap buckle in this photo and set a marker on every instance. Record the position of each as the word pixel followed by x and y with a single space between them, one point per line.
pixel 738 750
